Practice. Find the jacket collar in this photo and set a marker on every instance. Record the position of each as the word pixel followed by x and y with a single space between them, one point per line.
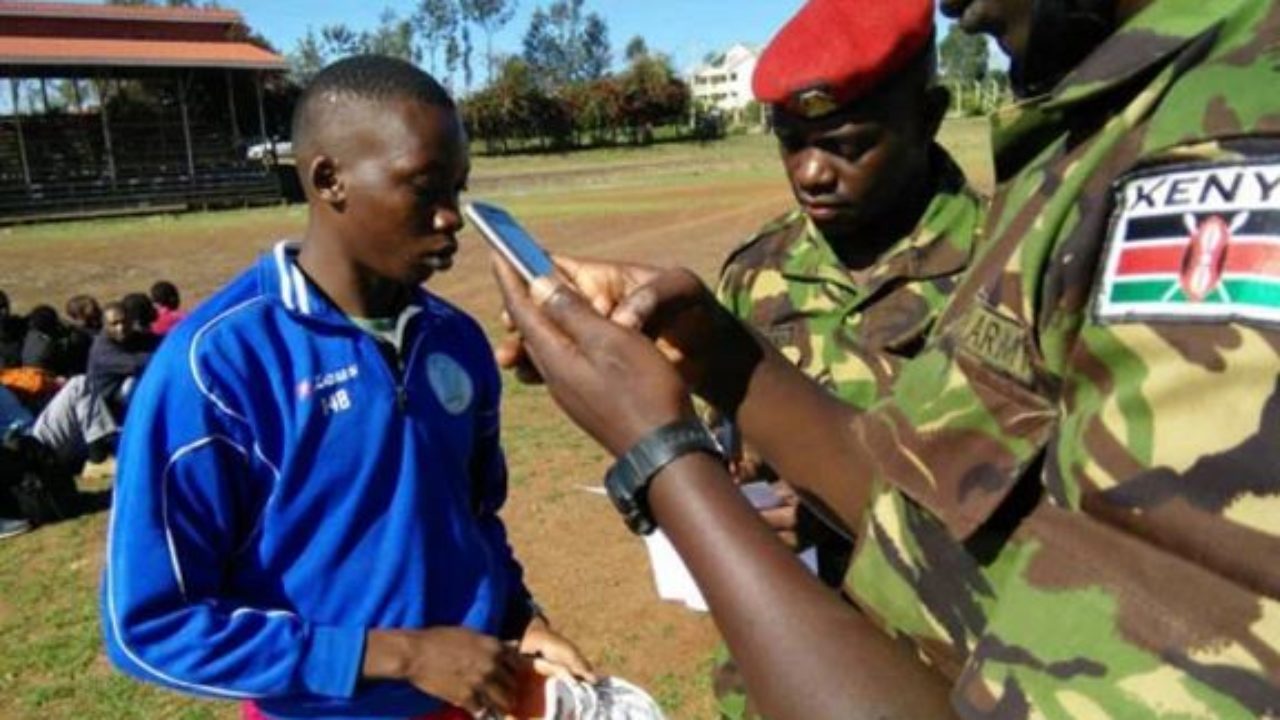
pixel 282 279
pixel 1148 40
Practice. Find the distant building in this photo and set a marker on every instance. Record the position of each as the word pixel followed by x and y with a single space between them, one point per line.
pixel 725 82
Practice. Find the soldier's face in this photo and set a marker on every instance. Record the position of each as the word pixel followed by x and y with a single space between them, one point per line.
pixel 856 166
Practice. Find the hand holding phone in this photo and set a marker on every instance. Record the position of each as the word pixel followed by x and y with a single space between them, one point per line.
pixel 506 236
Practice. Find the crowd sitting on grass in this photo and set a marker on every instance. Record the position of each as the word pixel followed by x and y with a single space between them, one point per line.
pixel 64 390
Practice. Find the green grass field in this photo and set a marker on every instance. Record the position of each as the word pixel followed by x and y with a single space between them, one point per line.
pixel 669 204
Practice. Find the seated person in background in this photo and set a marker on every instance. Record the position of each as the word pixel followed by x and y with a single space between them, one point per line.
pixel 142 312
pixel 267 546
pixel 77 426
pixel 118 355
pixel 165 300
pixel 49 344
pixel 13 329
pixel 84 321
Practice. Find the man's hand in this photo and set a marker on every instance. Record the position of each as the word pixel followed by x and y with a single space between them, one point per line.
pixel 609 380
pixel 783 519
pixel 603 284
pixel 673 307
pixel 553 653
pixel 472 671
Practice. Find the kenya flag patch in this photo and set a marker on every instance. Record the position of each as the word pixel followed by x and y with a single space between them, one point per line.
pixel 1199 243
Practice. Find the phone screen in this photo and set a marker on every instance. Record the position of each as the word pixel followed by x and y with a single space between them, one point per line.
pixel 513 241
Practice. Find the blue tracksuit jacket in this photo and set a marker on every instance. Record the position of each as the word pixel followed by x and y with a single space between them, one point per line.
pixel 282 488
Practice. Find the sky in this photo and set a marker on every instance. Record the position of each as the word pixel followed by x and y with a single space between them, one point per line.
pixel 686 30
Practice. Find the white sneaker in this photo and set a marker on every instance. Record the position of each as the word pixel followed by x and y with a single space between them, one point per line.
pixel 610 698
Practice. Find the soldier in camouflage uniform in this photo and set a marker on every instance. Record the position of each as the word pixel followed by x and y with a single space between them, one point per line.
pixel 848 284
pixel 1069 504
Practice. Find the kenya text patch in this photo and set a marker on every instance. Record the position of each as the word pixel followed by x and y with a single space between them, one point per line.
pixel 1199 243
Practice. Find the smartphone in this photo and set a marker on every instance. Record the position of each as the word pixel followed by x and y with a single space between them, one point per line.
pixel 507 237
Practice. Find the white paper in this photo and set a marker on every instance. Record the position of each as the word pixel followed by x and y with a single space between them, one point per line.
pixel 671 576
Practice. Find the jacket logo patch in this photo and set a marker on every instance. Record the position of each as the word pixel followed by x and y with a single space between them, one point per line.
pixel 450 382
pixel 1199 244
pixel 997 341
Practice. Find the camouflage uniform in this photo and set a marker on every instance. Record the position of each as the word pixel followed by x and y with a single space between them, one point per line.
pixel 851 333
pixel 848 332
pixel 1077 501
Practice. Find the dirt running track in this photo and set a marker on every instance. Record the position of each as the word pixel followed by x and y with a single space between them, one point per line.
pixel 590 574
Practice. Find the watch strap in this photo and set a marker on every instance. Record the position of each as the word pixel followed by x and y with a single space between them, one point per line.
pixel 627 482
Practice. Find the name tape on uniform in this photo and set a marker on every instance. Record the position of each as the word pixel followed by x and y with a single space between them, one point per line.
pixel 1195 244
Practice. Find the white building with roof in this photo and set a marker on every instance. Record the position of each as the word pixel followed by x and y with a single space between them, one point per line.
pixel 725 82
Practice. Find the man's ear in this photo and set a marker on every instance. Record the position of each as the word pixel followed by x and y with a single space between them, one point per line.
pixel 326 181
pixel 936 101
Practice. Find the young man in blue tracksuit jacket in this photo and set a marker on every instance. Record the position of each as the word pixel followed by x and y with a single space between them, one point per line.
pixel 306 507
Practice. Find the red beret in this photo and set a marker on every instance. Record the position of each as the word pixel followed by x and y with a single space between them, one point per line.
pixel 835 51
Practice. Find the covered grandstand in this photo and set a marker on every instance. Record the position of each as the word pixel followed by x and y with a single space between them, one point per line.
pixel 123 109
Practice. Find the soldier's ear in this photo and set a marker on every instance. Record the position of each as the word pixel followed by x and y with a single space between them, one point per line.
pixel 936 101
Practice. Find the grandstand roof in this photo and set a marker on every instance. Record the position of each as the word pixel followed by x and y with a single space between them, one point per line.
pixel 84 11
pixel 51 35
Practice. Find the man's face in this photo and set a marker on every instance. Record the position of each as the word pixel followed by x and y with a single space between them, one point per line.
pixel 403 170
pixel 851 168
pixel 115 324
pixel 1008 21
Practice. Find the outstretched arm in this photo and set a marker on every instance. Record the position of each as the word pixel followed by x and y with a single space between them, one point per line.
pixel 803 653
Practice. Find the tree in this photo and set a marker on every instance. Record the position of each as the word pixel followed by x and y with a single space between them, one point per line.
pixel 490 16
pixel 636 49
pixel 565 45
pixel 963 57
pixel 393 36
pixel 306 59
pixel 437 24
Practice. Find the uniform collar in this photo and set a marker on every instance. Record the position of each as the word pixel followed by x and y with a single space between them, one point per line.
pixel 281 278
pixel 932 249
pixel 1148 40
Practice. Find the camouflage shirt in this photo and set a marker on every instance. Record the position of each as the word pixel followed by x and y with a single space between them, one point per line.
pixel 850 332
pixel 1077 507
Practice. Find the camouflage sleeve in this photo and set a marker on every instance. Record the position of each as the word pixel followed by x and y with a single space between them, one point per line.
pixel 1124 519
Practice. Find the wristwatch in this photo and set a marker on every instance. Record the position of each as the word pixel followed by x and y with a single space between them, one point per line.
pixel 627 482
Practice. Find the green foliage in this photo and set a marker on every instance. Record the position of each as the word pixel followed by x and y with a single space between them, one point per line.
pixel 393 36
pixel 490 16
pixel 519 111
pixel 565 45
pixel 963 57
pixel 636 49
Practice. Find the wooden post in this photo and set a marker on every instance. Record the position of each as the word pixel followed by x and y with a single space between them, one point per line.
pixel 262 113
pixel 231 102
pixel 186 128
pixel 75 90
pixel 17 122
pixel 102 87
pixel 44 94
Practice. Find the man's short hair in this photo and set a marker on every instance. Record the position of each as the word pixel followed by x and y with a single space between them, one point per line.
pixel 374 78
pixel 138 309
pixel 165 293
pixel 79 306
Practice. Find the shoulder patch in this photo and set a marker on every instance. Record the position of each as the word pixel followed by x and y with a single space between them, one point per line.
pixel 997 341
pixel 1194 244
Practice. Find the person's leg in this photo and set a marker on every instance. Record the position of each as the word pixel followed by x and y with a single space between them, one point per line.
pixel 59 426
